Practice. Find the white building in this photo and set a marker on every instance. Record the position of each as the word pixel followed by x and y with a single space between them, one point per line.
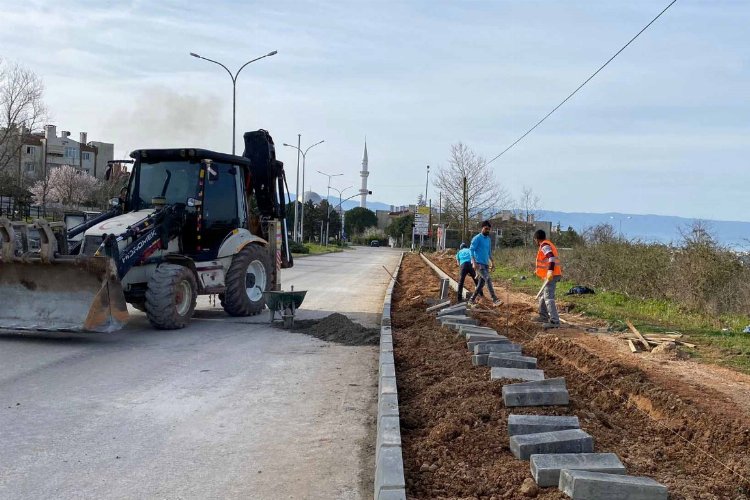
pixel 42 152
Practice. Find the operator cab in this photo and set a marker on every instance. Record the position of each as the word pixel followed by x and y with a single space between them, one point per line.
pixel 209 187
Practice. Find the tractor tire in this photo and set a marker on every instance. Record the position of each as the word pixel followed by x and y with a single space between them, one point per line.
pixel 248 277
pixel 170 297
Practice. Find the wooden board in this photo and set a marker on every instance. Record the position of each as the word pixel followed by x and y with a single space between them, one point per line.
pixel 632 346
pixel 686 344
pixel 638 334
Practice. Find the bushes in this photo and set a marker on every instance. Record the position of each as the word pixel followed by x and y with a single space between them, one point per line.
pixel 296 247
pixel 700 275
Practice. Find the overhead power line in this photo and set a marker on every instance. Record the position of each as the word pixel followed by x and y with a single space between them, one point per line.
pixel 584 83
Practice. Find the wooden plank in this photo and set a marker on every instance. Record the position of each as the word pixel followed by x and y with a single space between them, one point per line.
pixel 686 344
pixel 661 336
pixel 632 346
pixel 659 339
pixel 638 334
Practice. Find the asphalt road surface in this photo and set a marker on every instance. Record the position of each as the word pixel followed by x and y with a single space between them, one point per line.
pixel 226 408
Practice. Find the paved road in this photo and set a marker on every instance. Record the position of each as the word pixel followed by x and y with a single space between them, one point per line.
pixel 226 408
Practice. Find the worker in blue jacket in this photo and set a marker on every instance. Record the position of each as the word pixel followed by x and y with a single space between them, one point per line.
pixel 481 260
pixel 463 258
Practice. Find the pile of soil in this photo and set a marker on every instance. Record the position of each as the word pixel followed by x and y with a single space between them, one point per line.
pixel 339 329
pixel 454 424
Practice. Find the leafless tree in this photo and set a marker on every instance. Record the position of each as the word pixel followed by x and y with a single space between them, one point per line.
pixel 529 203
pixel 469 189
pixel 21 109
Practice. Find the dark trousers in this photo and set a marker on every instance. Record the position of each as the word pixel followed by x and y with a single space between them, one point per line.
pixel 466 269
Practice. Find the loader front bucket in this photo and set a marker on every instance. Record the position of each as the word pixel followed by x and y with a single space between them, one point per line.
pixel 69 293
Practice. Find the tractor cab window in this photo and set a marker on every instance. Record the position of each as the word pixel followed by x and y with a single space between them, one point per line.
pixel 176 181
pixel 220 213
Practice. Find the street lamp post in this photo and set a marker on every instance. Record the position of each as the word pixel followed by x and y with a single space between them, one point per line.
pixel 342 209
pixel 340 192
pixel 328 203
pixel 620 223
pixel 234 87
pixel 302 211
pixel 426 184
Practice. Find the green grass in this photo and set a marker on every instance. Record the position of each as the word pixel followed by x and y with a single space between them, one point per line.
pixel 729 348
pixel 316 249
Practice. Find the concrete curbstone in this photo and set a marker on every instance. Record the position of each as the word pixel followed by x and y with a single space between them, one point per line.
pixel 396 494
pixel 453 283
pixel 388 385
pixel 439 307
pixel 497 347
pixel 585 485
pixel 389 470
pixel 386 358
pixel 472 345
pixel 534 424
pixel 568 441
pixel 510 361
pixel 545 469
pixel 479 359
pixel 387 370
pixel 389 433
pixel 389 465
pixel 387 406
pixel 516 373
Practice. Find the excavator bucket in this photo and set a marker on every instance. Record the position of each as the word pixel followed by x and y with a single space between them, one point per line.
pixel 47 292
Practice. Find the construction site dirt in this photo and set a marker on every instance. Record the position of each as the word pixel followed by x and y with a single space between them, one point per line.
pixel 454 423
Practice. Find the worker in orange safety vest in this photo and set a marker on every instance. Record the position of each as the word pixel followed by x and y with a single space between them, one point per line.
pixel 548 268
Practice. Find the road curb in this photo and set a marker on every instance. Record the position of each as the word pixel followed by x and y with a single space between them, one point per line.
pixel 453 283
pixel 389 463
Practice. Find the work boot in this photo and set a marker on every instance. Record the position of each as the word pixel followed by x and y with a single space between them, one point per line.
pixel 497 302
pixel 540 319
pixel 551 324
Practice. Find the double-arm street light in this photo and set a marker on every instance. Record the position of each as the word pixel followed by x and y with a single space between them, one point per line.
pixel 339 207
pixel 234 87
pixel 301 217
pixel 340 192
pixel 328 203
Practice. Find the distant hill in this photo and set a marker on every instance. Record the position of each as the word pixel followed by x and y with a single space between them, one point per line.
pixel 354 202
pixel 652 228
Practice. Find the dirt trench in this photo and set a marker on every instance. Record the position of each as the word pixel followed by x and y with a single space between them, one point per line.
pixel 454 424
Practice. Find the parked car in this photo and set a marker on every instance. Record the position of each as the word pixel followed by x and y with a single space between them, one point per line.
pixel 374 243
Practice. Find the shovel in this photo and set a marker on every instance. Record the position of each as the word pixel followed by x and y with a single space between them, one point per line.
pixel 541 290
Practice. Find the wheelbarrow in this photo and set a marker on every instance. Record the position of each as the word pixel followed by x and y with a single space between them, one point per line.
pixel 285 304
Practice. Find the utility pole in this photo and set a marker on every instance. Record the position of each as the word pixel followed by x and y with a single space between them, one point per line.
pixel 426 184
pixel 429 225
pixel 297 197
pixel 465 210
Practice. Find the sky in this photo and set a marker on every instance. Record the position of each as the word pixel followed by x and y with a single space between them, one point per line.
pixel 664 129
